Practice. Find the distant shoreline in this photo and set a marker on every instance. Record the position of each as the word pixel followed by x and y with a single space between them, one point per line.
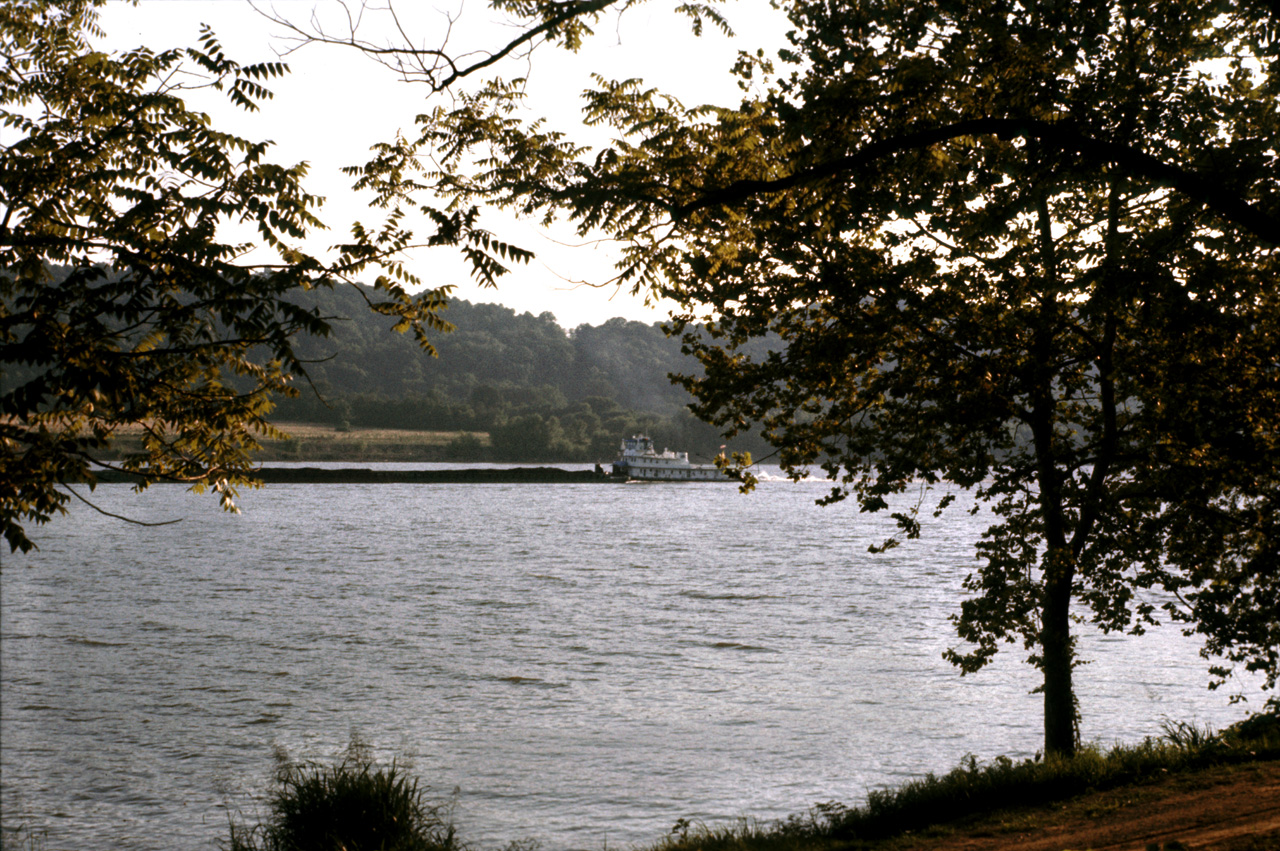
pixel 364 475
pixel 313 442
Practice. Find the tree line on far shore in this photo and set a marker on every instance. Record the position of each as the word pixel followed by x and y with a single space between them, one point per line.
pixel 541 392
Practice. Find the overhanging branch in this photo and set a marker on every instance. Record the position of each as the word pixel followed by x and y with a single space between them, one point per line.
pixel 1209 190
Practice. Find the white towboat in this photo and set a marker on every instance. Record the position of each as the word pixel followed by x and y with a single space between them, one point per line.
pixel 638 460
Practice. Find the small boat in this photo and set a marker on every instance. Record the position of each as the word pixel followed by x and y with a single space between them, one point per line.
pixel 637 459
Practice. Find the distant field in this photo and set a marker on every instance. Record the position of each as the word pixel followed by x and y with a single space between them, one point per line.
pixel 320 431
pixel 319 442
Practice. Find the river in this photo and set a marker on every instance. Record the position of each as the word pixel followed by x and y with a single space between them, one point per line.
pixel 574 664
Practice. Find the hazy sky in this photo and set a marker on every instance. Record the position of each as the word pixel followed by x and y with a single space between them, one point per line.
pixel 336 103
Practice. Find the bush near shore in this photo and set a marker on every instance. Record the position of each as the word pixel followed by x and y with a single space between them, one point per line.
pixel 357 805
pixel 353 805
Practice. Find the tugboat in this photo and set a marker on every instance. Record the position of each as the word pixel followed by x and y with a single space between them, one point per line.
pixel 638 460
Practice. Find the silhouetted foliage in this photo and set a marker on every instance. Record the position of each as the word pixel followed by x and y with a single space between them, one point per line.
pixel 122 304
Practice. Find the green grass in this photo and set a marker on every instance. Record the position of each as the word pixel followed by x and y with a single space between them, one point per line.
pixel 974 789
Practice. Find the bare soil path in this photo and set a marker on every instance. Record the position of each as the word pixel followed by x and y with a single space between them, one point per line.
pixel 1227 808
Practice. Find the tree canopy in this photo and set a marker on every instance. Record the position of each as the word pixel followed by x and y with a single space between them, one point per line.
pixel 1024 247
pixel 492 346
pixel 125 300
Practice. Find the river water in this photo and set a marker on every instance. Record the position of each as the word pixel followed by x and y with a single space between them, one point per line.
pixel 575 664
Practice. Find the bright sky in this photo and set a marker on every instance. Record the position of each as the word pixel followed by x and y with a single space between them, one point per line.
pixel 336 103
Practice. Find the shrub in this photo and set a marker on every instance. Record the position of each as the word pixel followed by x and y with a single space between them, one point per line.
pixel 355 805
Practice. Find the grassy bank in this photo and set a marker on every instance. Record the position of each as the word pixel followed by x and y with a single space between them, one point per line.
pixel 1002 794
pixel 356 804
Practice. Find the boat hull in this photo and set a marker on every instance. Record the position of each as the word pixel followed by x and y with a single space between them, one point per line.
pixel 699 473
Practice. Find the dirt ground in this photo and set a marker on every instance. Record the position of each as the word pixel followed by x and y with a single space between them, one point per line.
pixel 1234 808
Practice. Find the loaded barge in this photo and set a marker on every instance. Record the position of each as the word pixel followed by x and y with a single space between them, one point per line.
pixel 637 461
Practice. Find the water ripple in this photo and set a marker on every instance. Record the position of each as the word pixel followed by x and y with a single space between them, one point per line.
pixel 583 664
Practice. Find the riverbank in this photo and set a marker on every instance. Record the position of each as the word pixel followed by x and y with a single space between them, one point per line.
pixel 317 442
pixel 1220 808
pixel 1190 791
pixel 366 476
pixel 314 442
pixel 310 443
pixel 1217 808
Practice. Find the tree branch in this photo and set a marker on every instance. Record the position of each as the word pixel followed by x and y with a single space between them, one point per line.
pixel 437 56
pixel 103 511
pixel 1209 190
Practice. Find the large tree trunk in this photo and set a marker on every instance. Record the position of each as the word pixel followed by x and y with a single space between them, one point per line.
pixel 1056 647
pixel 1055 605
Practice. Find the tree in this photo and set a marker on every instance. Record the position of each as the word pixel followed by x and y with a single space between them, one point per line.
pixel 1027 248
pixel 1002 267
pixel 122 302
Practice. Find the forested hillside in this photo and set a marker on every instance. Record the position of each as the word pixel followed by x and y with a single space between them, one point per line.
pixel 540 391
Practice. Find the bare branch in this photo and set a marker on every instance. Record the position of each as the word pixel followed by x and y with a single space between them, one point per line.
pixel 103 511
pixel 435 67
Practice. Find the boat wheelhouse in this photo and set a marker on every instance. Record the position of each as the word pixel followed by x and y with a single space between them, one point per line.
pixel 637 459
